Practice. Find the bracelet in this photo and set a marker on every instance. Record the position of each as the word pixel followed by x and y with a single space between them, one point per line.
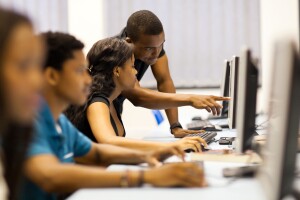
pixel 141 178
pixel 175 125
pixel 124 181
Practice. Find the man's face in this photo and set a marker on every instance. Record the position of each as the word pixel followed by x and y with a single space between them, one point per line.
pixel 74 81
pixel 148 47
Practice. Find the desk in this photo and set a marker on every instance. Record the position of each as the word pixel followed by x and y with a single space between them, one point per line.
pixel 213 145
pixel 244 189
pixel 220 187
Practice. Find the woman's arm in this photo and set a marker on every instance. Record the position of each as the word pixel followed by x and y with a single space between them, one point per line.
pixel 106 154
pixel 98 116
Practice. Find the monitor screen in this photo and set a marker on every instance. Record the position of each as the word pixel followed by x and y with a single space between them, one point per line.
pixel 233 92
pixel 225 87
pixel 277 171
pixel 246 105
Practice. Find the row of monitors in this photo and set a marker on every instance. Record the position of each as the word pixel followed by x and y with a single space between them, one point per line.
pixel 240 83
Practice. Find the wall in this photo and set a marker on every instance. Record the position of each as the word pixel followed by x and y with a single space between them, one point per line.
pixel 279 18
pixel 200 34
pixel 86 21
pixel 45 14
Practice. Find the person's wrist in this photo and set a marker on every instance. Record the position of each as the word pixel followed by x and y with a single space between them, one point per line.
pixel 124 181
pixel 190 100
pixel 140 181
pixel 178 133
pixel 149 176
pixel 175 125
pixel 143 156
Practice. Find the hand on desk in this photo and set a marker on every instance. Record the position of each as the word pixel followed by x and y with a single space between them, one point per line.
pixel 154 158
pixel 191 143
pixel 208 102
pixel 176 174
pixel 180 133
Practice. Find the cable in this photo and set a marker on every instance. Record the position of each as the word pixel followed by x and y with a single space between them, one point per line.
pixel 261 125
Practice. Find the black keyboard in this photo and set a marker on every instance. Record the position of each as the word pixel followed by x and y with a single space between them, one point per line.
pixel 207 136
pixel 203 125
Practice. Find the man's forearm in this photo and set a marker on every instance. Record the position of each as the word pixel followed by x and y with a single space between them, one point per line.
pixel 172 113
pixel 156 100
pixel 63 178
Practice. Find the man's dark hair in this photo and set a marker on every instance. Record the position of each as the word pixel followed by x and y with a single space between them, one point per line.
pixel 60 47
pixel 143 22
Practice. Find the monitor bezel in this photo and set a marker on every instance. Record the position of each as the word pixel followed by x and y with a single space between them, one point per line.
pixel 233 92
pixel 246 105
pixel 225 87
pixel 277 171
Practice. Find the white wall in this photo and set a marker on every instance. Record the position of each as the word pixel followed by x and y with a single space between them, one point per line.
pixel 200 34
pixel 45 15
pixel 279 19
pixel 86 21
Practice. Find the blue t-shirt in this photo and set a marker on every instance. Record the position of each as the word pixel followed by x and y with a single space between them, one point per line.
pixel 64 142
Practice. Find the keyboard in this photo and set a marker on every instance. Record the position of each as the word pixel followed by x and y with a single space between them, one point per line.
pixel 207 136
pixel 203 125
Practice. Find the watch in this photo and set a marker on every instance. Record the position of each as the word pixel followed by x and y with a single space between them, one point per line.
pixel 175 125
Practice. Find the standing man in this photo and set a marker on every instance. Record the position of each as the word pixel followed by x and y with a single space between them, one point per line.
pixel 145 31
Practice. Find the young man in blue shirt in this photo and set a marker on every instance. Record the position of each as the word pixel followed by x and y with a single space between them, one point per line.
pixel 62 160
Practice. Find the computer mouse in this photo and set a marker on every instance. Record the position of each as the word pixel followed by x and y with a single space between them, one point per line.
pixel 197 118
pixel 209 128
pixel 189 150
pixel 224 126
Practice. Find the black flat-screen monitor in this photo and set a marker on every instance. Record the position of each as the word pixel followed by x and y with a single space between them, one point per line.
pixel 225 88
pixel 246 105
pixel 232 104
pixel 278 170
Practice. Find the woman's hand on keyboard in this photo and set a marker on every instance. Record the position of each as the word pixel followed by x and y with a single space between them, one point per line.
pixel 190 143
pixel 176 174
pixel 208 102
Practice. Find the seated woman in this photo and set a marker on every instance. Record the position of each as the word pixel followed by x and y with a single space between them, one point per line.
pixel 112 69
pixel 21 55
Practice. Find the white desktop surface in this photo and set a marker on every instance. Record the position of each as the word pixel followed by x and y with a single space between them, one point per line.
pixel 219 187
pixel 241 190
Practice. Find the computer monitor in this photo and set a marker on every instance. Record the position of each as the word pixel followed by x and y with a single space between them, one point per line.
pixel 246 105
pixel 232 104
pixel 278 169
pixel 225 87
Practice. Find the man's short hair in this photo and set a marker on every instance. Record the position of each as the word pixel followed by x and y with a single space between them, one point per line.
pixel 60 47
pixel 143 22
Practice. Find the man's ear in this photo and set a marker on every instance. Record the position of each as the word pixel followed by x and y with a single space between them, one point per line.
pixel 128 40
pixel 51 75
